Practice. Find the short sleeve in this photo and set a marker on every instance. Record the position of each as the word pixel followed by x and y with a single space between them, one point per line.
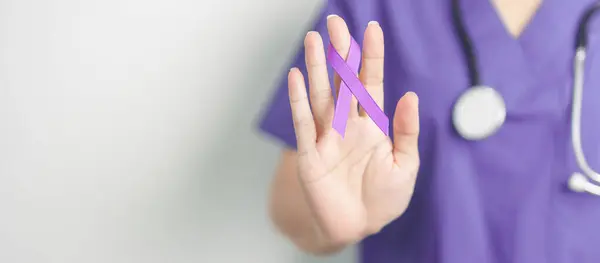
pixel 277 117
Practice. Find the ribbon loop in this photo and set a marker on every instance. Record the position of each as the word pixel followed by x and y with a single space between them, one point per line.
pixel 351 85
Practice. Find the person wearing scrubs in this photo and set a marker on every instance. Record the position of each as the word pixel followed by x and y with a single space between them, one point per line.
pixel 494 133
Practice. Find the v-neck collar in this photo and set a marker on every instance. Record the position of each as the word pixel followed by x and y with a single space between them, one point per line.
pixel 512 65
pixel 553 28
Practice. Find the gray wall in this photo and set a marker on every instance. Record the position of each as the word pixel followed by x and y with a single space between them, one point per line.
pixel 125 129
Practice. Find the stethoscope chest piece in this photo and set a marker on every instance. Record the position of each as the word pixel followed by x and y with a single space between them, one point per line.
pixel 478 113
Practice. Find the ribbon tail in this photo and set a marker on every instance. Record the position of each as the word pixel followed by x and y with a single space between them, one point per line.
pixel 344 96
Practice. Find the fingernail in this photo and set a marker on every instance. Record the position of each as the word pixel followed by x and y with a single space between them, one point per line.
pixel 413 94
pixel 373 23
pixel 332 15
pixel 310 32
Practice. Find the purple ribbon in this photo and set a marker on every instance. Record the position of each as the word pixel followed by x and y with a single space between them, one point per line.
pixel 351 85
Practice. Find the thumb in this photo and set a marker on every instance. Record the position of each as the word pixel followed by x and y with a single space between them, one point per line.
pixel 406 129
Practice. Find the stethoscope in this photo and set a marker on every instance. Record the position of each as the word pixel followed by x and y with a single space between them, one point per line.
pixel 480 111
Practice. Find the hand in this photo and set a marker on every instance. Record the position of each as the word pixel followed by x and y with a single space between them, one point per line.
pixel 358 184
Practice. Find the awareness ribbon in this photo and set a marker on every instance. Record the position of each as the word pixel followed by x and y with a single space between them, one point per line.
pixel 351 85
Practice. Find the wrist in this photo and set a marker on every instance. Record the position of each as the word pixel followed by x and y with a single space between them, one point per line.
pixel 320 244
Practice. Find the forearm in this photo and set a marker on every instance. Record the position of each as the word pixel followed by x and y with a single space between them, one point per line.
pixel 291 213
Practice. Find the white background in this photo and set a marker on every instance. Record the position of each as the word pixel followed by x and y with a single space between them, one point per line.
pixel 126 129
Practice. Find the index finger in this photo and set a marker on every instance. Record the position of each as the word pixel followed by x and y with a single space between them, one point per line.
pixel 371 73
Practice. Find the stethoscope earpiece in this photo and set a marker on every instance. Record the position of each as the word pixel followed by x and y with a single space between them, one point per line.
pixel 578 182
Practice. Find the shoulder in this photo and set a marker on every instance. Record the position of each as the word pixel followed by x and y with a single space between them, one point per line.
pixel 360 12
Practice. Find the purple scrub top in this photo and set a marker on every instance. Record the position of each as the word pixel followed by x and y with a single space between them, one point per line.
pixel 502 199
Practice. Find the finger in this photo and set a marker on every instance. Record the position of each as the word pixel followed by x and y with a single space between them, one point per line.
pixel 304 124
pixel 371 74
pixel 406 131
pixel 321 98
pixel 340 39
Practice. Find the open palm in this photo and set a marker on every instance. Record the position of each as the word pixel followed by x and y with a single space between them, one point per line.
pixel 357 184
